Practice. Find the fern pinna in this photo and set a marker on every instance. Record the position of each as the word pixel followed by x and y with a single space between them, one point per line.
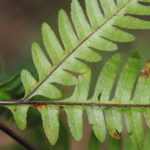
pixel 81 38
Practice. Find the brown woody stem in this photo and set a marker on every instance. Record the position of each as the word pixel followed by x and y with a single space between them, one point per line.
pixel 16 137
pixel 59 103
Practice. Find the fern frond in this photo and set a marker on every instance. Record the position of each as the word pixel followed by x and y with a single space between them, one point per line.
pixel 103 118
pixel 122 94
pixel 130 89
pixel 79 37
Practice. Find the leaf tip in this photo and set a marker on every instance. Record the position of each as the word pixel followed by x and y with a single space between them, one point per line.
pixel 62 11
pixel 45 27
pixel 24 73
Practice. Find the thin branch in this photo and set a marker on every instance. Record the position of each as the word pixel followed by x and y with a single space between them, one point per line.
pixel 59 103
pixel 12 134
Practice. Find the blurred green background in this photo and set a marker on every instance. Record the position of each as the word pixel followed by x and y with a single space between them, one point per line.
pixel 20 25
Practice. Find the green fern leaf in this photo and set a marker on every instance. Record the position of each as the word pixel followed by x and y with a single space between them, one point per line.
pixel 50 122
pixel 79 38
pixel 76 113
pixel 103 88
pixel 10 90
pixel 78 44
pixel 123 95
pixel 104 117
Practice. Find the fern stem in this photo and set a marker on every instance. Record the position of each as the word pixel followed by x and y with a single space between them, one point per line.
pixel 12 134
pixel 58 103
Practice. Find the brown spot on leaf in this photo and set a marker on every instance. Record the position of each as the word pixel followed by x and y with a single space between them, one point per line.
pixel 145 72
pixel 38 107
pixel 126 14
pixel 99 96
pixel 116 135
pixel 15 109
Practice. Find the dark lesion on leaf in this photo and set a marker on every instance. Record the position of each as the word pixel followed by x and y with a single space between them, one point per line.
pixel 145 72
pixel 99 96
pixel 126 15
pixel 116 135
